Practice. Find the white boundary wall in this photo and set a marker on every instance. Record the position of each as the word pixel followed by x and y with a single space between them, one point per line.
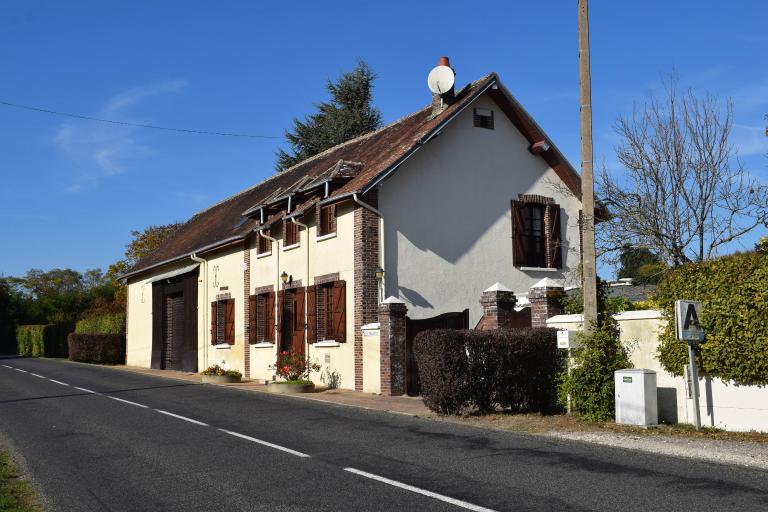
pixel 722 404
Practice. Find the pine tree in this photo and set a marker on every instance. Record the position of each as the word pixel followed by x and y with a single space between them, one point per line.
pixel 349 114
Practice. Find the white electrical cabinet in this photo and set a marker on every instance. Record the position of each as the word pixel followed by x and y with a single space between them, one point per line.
pixel 636 402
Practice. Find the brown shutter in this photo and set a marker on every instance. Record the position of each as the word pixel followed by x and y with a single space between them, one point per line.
pixel 555 253
pixel 280 308
pixel 269 315
pixel 213 323
pixel 298 327
pixel 339 311
pixel 252 321
pixel 229 325
pixel 311 314
pixel 518 235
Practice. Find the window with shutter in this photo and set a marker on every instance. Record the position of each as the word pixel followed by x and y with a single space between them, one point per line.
pixel 327 222
pixel 290 233
pixel 229 326
pixel 261 317
pixel 536 233
pixel 330 308
pixel 264 245
pixel 311 314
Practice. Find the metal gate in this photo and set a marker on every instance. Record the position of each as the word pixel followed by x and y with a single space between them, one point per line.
pixel 455 320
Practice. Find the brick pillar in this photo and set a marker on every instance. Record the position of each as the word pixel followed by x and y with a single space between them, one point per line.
pixel 247 312
pixel 545 297
pixel 498 303
pixel 366 261
pixel 392 346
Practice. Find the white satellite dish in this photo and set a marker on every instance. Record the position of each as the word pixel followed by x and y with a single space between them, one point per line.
pixel 441 80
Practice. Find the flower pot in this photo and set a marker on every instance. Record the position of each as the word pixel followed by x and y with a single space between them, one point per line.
pixel 220 379
pixel 289 388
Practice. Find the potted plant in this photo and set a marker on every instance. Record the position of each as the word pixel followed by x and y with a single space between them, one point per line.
pixel 218 375
pixel 294 368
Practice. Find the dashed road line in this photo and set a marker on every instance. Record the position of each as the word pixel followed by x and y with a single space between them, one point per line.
pixel 182 418
pixel 20 370
pixel 59 382
pixel 37 375
pixel 265 443
pixel 87 390
pixel 11 367
pixel 128 402
pixel 423 492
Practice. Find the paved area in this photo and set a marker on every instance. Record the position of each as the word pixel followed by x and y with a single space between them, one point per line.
pixel 100 439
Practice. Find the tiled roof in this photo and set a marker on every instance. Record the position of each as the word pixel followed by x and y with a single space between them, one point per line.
pixel 361 161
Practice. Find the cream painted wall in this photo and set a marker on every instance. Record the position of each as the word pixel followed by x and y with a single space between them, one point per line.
pixel 138 350
pixel 327 256
pixel 447 220
pixel 722 404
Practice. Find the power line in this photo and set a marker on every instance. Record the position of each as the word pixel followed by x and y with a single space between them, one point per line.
pixel 137 125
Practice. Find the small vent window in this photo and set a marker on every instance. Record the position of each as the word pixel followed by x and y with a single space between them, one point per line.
pixel 483 118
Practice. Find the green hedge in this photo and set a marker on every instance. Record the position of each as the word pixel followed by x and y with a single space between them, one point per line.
pixel 462 371
pixel 97 348
pixel 102 324
pixel 734 293
pixel 48 340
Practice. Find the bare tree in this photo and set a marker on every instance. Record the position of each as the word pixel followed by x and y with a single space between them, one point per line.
pixel 683 192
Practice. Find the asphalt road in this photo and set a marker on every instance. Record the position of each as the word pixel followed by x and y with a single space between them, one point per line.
pixel 95 439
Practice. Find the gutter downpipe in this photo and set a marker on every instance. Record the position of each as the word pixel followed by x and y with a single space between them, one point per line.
pixel 204 263
pixel 381 239
pixel 306 310
pixel 277 273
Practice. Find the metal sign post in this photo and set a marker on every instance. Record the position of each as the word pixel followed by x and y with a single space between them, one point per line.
pixel 689 329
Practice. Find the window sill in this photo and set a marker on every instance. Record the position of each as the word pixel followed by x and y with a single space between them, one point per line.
pixel 327 236
pixel 263 254
pixel 222 346
pixel 263 344
pixel 327 343
pixel 539 269
pixel 290 247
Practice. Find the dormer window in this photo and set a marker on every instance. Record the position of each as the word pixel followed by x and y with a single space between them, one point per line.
pixel 290 233
pixel 483 118
pixel 265 244
pixel 327 224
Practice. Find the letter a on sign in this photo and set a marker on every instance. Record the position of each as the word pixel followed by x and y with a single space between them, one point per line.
pixel 687 314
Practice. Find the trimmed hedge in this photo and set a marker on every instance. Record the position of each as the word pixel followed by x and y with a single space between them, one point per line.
pixel 102 324
pixel 49 340
pixel 462 371
pixel 97 348
pixel 734 293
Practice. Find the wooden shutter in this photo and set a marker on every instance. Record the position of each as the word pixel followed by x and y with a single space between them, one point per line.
pixel 252 321
pixel 518 235
pixel 555 252
pixel 213 323
pixel 280 308
pixel 339 312
pixel 311 314
pixel 298 326
pixel 269 317
pixel 229 319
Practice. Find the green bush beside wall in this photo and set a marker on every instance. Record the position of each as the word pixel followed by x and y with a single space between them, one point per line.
pixel 97 348
pixel 734 293
pixel 102 324
pixel 49 340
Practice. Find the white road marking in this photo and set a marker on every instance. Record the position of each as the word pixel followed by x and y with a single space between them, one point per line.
pixel 447 499
pixel 265 443
pixel 11 367
pixel 128 402
pixel 59 382
pixel 87 391
pixel 182 418
pixel 20 370
pixel 37 375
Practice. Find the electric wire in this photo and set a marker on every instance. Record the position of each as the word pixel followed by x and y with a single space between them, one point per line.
pixel 137 125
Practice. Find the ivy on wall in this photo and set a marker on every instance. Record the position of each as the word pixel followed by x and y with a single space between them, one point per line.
pixel 734 293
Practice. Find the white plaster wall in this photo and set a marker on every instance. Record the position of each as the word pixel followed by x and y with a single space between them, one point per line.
pixel 327 256
pixel 372 361
pixel 447 219
pixel 138 350
pixel 722 404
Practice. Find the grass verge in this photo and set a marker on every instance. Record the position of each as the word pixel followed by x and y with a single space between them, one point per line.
pixel 16 494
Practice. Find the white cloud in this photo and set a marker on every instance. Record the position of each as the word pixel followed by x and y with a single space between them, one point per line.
pixel 749 140
pixel 102 150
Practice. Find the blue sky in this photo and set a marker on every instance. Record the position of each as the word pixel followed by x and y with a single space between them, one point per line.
pixel 72 190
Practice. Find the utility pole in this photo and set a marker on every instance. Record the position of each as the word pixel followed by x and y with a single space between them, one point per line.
pixel 588 263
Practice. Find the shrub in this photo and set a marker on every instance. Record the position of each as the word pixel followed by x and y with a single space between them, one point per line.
pixel 462 371
pixel 110 323
pixel 97 348
pixel 49 340
pixel 591 381
pixel 218 371
pixel 734 292
pixel 293 366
